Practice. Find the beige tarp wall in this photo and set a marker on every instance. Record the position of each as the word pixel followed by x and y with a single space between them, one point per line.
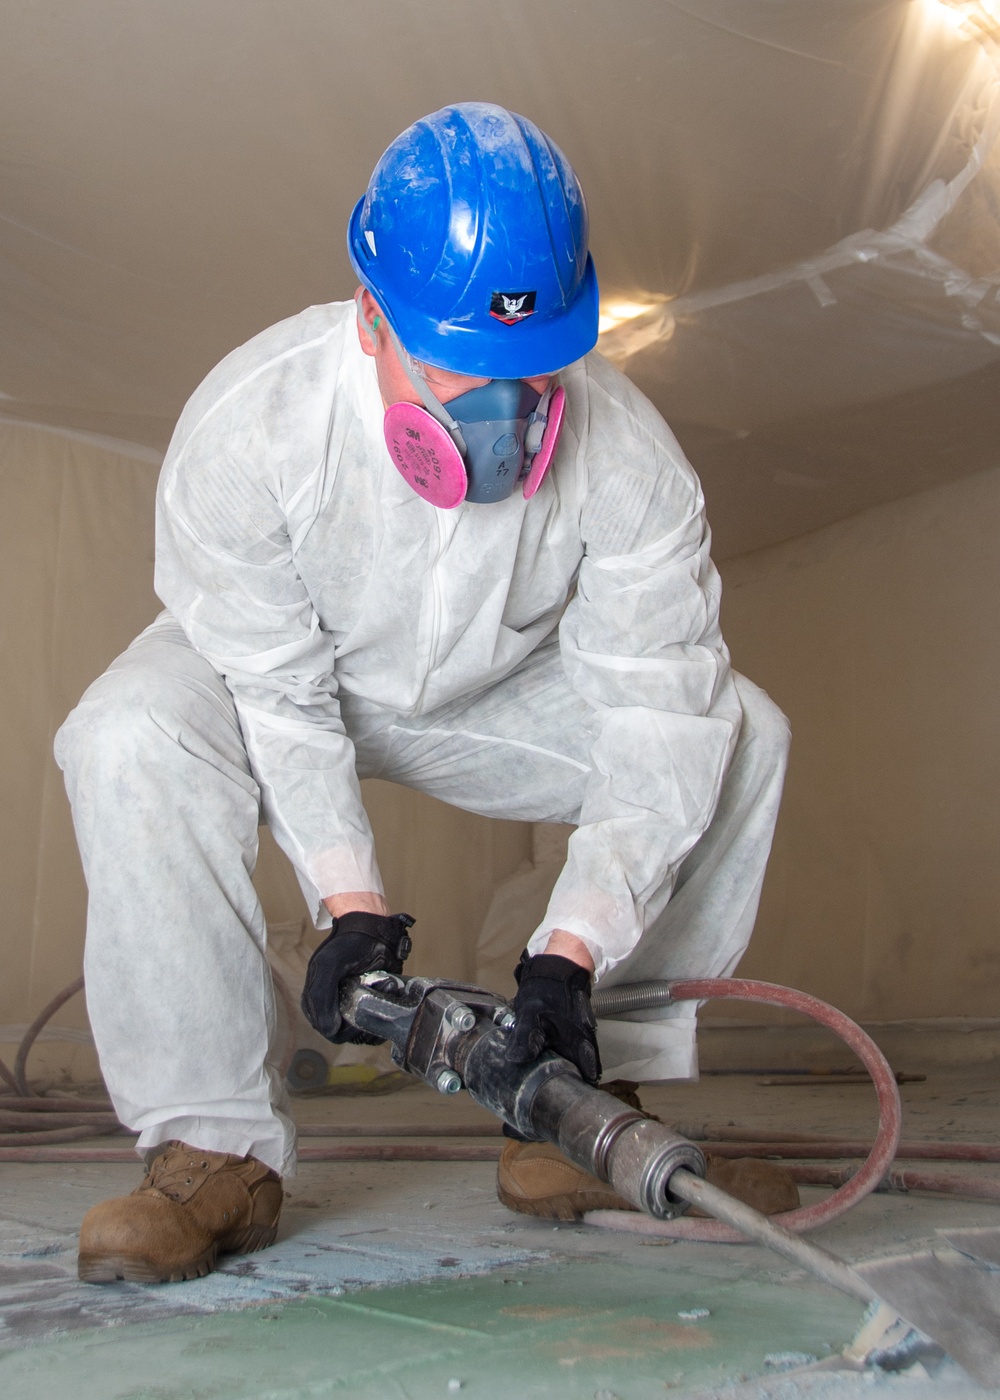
pixel 874 634
pixel 878 637
pixel 76 556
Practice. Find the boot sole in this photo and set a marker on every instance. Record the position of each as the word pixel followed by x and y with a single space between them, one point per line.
pixel 250 1240
pixel 112 1268
pixel 115 1268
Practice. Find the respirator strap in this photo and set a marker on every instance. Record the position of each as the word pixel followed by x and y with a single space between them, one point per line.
pixel 433 405
pixel 536 427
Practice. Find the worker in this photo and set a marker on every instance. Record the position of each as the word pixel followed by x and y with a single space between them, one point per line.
pixel 427 536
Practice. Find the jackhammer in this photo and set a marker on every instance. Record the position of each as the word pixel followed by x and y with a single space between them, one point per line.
pixel 453 1036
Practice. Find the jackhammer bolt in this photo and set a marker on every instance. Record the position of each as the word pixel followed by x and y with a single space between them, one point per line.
pixel 461 1017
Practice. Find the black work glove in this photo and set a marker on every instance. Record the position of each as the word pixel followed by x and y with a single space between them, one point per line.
pixel 552 1012
pixel 358 942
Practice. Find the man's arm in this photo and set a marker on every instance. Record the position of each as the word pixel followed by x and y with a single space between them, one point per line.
pixel 564 945
pixel 567 945
pixel 225 569
pixel 642 645
pixel 357 901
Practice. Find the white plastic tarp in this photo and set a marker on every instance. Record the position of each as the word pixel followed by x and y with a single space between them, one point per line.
pixel 805 192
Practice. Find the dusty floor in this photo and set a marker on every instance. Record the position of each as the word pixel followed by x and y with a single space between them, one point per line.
pixel 410 1280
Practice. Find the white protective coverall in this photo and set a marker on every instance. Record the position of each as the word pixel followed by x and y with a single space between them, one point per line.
pixel 552 660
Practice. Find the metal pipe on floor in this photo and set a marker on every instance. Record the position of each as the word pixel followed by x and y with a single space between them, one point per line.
pixel 13 1144
pixel 58 1103
pixel 29 1122
pixel 346 1152
pixel 401 1130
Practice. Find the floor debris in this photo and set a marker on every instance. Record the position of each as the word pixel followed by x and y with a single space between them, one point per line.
pixel 398 1279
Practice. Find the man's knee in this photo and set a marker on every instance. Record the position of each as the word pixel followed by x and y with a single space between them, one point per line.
pixel 135 710
pixel 765 727
pixel 116 716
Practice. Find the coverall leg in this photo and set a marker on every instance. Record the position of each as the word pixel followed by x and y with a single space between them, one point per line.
pixel 179 992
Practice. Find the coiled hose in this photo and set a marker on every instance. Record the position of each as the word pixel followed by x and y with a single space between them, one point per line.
pixel 645 996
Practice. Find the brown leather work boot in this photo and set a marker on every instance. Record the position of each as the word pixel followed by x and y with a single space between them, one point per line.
pixel 192 1206
pixel 536 1179
pixel 767 1186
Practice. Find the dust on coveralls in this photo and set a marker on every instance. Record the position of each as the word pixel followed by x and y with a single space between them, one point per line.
pixel 558 659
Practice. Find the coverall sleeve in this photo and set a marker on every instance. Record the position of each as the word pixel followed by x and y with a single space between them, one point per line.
pixel 642 644
pixel 225 570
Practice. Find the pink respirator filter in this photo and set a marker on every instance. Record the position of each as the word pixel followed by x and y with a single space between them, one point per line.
pixel 425 455
pixel 543 457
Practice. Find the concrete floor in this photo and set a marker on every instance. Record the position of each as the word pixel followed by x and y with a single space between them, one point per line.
pixel 410 1280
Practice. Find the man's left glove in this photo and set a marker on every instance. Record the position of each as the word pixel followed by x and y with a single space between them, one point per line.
pixel 358 943
pixel 552 1012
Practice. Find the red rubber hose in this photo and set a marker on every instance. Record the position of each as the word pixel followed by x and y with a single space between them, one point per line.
pixel 902 1180
pixel 31 1034
pixel 760 1142
pixel 826 1148
pixel 869 1174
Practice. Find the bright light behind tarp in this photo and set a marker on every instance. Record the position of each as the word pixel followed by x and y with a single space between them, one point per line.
pixel 978 18
pixel 616 313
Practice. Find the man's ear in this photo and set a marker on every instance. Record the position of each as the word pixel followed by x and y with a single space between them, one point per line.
pixel 369 320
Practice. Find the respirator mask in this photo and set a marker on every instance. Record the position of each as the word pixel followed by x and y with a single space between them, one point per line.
pixel 478 446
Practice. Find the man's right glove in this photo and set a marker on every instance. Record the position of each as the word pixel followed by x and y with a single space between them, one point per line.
pixel 358 942
pixel 552 1012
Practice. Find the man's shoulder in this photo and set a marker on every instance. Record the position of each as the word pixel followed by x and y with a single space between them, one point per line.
pixel 317 328
pixel 638 483
pixel 305 346
pixel 622 425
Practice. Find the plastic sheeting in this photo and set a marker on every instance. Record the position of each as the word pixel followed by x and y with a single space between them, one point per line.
pixel 805 193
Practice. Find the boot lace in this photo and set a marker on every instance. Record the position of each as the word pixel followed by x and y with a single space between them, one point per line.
pixel 174 1169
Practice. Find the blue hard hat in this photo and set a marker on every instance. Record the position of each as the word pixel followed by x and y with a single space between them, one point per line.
pixel 472 238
